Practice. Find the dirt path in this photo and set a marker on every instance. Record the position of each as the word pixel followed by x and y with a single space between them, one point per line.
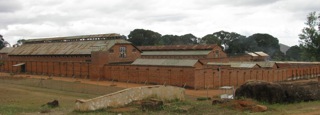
pixel 196 93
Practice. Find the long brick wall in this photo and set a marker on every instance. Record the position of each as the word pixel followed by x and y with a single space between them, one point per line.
pixel 189 77
pixel 52 68
pixel 176 76
pixel 212 78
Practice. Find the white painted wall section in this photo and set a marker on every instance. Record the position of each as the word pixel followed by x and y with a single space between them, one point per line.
pixel 126 96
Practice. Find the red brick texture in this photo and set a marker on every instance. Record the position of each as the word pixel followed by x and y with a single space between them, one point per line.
pixel 191 77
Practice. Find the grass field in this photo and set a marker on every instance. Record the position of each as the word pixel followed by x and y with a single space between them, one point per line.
pixel 26 96
pixel 16 99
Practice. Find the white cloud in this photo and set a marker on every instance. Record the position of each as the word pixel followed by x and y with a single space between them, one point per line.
pixel 26 19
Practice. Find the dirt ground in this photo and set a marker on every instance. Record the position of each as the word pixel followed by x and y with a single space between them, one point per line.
pixel 190 92
pixel 29 99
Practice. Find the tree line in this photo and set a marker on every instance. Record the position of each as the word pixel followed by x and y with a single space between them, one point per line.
pixel 234 43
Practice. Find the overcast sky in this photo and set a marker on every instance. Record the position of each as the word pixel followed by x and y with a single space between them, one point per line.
pixel 29 19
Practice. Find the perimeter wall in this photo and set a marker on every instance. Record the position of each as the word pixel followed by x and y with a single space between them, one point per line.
pixel 188 77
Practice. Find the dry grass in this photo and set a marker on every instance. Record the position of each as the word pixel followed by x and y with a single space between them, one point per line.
pixel 25 96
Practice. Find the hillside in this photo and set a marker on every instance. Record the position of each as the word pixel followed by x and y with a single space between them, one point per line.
pixel 284 48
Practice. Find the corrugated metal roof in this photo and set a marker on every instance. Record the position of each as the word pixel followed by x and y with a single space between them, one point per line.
pixel 296 62
pixel 197 52
pixel 252 54
pixel 6 49
pixel 166 62
pixel 243 65
pixel 235 64
pixel 66 48
pixel 177 47
pixel 261 54
pixel 266 64
pixel 223 64
pixel 112 35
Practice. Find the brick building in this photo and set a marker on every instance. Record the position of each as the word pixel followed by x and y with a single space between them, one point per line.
pixel 204 53
pixel 111 57
pixel 76 56
pixel 249 56
pixel 4 52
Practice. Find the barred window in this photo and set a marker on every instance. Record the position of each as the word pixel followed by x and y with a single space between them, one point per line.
pixel 123 52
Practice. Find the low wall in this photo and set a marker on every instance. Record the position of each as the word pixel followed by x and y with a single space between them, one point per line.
pixel 168 75
pixel 126 96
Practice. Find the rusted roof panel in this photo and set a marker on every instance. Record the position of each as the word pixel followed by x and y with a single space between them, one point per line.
pixel 66 48
pixel 171 53
pixel 166 62
pixel 177 47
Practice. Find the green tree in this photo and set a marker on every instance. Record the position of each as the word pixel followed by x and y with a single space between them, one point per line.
pixel 210 39
pixel 294 53
pixel 310 38
pixel 227 37
pixel 221 38
pixel 3 43
pixel 278 56
pixel 241 45
pixel 268 44
pixel 141 37
pixel 19 43
pixel 169 40
pixel 187 39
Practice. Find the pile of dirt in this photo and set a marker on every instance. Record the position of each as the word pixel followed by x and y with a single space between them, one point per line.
pixel 279 92
pixel 241 105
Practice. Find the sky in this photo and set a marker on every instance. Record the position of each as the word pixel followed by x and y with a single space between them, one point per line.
pixel 30 19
